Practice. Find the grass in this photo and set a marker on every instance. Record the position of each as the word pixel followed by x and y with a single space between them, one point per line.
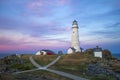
pixel 46 74
pixel 6 77
pixel 36 74
pixel 77 63
pixel 44 59
pixel 102 77
pixel 24 65
pixel 74 63
pixel 115 65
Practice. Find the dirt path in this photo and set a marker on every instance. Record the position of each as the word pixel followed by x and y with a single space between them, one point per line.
pixel 39 67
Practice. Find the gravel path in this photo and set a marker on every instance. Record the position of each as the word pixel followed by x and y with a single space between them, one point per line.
pixel 58 72
pixel 34 63
pixel 53 62
pixel 39 67
pixel 66 75
pixel 25 71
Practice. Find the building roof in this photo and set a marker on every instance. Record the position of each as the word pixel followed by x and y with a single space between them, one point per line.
pixel 47 51
pixel 70 50
pixel 97 49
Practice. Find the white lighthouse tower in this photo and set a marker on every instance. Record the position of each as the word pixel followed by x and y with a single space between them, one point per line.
pixel 75 45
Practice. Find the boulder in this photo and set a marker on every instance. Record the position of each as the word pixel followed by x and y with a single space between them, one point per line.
pixel 96 70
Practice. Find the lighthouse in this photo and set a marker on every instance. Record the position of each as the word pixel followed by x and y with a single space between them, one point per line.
pixel 75 44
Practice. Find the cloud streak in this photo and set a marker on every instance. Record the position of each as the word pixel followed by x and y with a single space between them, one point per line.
pixel 20 41
pixel 33 24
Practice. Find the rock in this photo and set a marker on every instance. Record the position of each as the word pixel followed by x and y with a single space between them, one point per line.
pixel 107 54
pixel 96 70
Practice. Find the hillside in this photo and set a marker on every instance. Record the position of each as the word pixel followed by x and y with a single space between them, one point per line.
pixel 79 64
pixel 84 65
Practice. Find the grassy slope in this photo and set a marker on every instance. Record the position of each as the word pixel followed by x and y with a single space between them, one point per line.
pixel 77 63
pixel 46 74
pixel 74 64
pixel 27 65
pixel 44 59
pixel 24 65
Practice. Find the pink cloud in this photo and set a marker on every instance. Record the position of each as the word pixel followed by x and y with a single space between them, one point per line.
pixel 40 4
pixel 62 2
pixel 24 42
pixel 34 5
pixel 68 28
pixel 44 7
pixel 33 46
pixel 39 7
pixel 62 29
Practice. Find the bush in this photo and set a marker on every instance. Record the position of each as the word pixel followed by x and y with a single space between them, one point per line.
pixel 103 77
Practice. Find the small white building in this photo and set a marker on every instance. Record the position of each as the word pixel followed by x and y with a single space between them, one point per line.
pixel 98 52
pixel 41 53
pixel 70 50
pixel 45 52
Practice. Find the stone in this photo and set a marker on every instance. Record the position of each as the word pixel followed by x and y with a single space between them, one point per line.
pixel 96 70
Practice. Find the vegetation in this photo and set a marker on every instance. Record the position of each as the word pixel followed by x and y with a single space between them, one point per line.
pixel 6 77
pixel 41 75
pixel 23 63
pixel 44 59
pixel 114 65
pixel 14 63
pixel 76 64
pixel 73 63
pixel 107 54
pixel 48 75
pixel 102 77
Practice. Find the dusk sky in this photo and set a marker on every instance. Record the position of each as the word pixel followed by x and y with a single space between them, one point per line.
pixel 27 26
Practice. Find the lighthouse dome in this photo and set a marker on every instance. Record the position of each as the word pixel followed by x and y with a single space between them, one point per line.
pixel 75 22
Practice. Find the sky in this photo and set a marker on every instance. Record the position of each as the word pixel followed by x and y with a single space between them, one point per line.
pixel 27 26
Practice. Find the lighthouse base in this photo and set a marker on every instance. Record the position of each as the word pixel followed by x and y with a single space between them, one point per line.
pixel 71 50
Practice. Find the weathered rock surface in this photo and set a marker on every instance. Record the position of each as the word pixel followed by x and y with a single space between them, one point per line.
pixel 94 69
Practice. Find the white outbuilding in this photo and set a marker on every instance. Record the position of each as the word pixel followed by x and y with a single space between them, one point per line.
pixel 70 50
pixel 45 52
pixel 98 52
pixel 41 53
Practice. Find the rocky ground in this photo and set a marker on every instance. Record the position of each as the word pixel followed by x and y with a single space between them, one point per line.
pixel 96 70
